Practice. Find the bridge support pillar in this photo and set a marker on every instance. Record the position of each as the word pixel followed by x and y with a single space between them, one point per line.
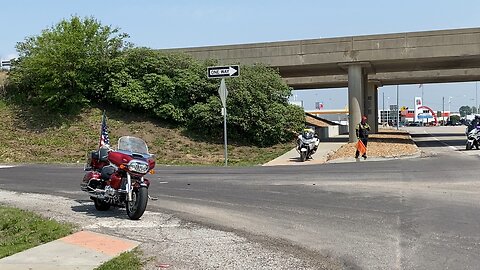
pixel 371 105
pixel 356 89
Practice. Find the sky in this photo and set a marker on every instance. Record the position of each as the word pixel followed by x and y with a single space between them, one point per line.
pixel 180 23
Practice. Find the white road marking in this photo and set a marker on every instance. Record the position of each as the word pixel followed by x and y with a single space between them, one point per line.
pixel 6 166
pixel 444 143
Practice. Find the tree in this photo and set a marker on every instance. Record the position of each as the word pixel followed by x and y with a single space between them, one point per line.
pixel 66 65
pixel 465 110
pixel 455 118
pixel 258 109
pixel 474 109
pixel 175 88
pixel 165 84
pixel 79 61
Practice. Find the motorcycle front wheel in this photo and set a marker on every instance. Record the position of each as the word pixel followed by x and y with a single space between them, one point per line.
pixel 468 146
pixel 137 206
pixel 303 156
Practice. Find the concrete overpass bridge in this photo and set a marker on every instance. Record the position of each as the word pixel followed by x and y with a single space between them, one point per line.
pixel 363 63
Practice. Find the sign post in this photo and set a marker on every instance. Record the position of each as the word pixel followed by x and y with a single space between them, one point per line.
pixel 223 72
pixel 222 91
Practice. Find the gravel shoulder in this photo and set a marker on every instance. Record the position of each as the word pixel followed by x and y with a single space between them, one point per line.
pixel 167 240
pixel 387 143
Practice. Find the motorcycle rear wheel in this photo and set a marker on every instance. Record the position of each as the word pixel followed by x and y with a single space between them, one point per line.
pixel 137 206
pixel 101 205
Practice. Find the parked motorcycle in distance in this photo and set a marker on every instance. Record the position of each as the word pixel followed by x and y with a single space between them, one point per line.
pixel 473 137
pixel 116 177
pixel 307 144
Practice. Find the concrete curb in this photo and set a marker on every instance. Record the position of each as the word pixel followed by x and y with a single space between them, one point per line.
pixel 291 158
pixel 327 149
pixel 418 154
pixel 83 250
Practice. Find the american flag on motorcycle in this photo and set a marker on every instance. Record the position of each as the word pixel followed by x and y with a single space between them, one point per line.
pixel 104 139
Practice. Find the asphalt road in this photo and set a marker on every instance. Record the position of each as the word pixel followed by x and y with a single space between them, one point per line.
pixel 443 140
pixel 421 213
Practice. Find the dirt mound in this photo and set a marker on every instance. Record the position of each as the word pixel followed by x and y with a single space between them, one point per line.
pixel 386 143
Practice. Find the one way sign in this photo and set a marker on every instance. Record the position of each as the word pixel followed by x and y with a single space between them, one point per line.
pixel 223 71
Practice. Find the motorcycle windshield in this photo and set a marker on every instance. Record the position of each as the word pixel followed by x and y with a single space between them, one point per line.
pixel 308 135
pixel 133 145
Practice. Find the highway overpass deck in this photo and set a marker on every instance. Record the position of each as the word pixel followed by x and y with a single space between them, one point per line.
pixel 363 63
pixel 415 51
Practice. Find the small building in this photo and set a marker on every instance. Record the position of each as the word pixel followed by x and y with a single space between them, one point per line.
pixel 325 128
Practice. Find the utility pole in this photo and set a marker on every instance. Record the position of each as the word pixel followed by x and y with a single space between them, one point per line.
pixel 476 96
pixel 449 112
pixel 443 110
pixel 383 110
pixel 423 101
pixel 398 111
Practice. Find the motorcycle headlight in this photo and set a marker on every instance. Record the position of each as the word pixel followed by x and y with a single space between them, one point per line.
pixel 139 167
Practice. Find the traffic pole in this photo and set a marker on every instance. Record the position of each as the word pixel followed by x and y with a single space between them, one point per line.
pixel 225 153
pixel 223 92
pixel 398 111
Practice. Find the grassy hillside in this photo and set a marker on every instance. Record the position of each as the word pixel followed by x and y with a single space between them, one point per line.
pixel 34 136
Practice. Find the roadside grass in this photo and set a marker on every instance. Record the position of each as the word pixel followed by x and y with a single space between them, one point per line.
pixel 125 261
pixel 21 230
pixel 34 136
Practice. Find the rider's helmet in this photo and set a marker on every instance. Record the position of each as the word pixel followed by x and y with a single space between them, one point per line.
pixel 308 133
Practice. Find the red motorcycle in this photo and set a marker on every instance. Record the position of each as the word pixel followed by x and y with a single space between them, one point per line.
pixel 116 177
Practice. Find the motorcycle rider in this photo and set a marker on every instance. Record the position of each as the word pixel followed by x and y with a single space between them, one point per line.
pixel 473 132
pixel 308 134
pixel 476 121
pixel 474 124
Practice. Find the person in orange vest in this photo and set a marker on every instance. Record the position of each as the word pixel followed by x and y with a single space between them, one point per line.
pixel 362 130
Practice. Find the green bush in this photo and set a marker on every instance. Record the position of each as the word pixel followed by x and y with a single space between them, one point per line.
pixel 174 88
pixel 257 109
pixel 165 84
pixel 66 65
pixel 80 61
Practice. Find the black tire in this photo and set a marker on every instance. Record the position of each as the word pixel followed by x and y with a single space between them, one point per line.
pixel 303 156
pixel 468 146
pixel 137 206
pixel 476 145
pixel 101 205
